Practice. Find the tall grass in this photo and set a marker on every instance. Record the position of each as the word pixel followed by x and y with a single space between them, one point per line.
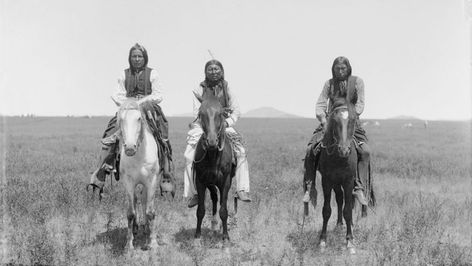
pixel 422 181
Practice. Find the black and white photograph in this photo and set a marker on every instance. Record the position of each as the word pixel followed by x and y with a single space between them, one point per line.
pixel 235 132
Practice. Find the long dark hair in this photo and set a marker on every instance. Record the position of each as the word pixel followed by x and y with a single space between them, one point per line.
pixel 141 48
pixel 341 60
pixel 208 81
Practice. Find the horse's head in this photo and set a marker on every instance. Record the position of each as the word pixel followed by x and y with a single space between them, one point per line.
pixel 211 115
pixel 341 126
pixel 130 122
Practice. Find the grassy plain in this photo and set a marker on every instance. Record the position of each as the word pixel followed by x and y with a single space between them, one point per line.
pixel 422 181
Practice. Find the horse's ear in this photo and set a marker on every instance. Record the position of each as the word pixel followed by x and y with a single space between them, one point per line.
pixel 208 96
pixel 199 98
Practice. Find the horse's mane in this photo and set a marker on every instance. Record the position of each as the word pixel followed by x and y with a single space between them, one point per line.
pixel 209 101
pixel 133 104
pixel 129 104
pixel 343 102
pixel 339 103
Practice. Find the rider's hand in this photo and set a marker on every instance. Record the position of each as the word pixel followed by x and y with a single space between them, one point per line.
pixel 324 123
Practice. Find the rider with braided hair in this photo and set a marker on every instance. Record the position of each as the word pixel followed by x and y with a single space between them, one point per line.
pixel 333 89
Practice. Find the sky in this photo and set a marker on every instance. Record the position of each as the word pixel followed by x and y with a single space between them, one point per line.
pixel 64 57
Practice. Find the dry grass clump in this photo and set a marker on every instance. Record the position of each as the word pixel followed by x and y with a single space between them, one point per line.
pixel 422 180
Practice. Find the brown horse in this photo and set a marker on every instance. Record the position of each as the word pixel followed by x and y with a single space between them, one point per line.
pixel 213 166
pixel 338 167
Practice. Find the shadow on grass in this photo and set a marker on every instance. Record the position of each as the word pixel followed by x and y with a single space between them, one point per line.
pixel 308 240
pixel 116 240
pixel 209 238
pixel 198 249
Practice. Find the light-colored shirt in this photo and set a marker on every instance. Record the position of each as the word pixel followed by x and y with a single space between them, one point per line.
pixel 233 105
pixel 156 89
pixel 323 104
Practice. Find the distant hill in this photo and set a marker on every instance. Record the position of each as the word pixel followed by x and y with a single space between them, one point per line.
pixel 268 112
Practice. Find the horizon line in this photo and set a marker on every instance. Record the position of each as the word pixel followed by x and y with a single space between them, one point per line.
pixel 399 117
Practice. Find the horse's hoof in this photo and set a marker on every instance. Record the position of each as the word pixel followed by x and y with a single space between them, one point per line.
pixel 226 248
pixel 364 211
pixel 352 251
pixel 197 242
pixel 322 246
pixel 129 247
pixel 339 226
pixel 214 225
pixel 153 245
pixel 225 238
pixel 350 247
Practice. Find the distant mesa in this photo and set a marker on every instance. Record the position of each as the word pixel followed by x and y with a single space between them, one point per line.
pixel 268 112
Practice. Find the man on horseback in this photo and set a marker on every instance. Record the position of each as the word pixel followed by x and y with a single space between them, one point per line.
pixel 335 88
pixel 216 84
pixel 141 83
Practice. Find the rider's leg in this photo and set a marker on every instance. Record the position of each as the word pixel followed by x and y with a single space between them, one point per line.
pixel 309 173
pixel 190 191
pixel 99 175
pixel 108 148
pixel 168 163
pixel 309 164
pixel 189 186
pixel 363 152
pixel 242 175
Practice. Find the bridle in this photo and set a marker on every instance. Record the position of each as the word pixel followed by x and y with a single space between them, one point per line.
pixel 330 149
pixel 220 135
pixel 123 133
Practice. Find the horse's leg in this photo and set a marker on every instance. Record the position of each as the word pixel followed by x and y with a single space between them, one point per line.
pixel 131 214
pixel 348 215
pixel 224 206
pixel 326 210
pixel 150 190
pixel 339 201
pixel 201 207
pixel 214 200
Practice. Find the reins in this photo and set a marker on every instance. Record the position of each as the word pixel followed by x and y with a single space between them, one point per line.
pixel 221 145
pixel 329 148
pixel 143 124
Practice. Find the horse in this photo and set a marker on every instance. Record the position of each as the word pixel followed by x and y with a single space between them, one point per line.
pixel 338 167
pixel 139 165
pixel 213 163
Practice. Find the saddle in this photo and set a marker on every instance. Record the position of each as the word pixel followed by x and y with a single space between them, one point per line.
pixel 158 125
pixel 317 146
pixel 200 153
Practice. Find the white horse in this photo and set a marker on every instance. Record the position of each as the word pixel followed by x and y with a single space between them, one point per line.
pixel 139 164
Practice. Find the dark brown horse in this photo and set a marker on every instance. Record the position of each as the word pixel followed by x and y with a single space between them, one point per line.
pixel 213 162
pixel 338 167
